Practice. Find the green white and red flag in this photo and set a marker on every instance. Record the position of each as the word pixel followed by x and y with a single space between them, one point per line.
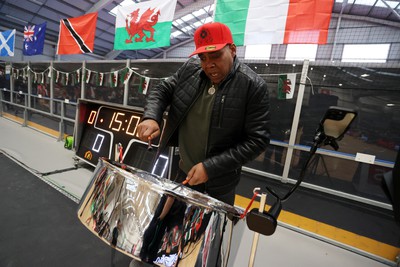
pixel 255 22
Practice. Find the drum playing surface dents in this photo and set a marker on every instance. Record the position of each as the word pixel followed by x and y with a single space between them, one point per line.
pixel 40 227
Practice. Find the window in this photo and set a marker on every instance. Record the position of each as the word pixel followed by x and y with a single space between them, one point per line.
pixel 257 52
pixel 365 53
pixel 301 51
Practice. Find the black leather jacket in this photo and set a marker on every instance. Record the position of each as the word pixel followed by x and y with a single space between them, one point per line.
pixel 239 129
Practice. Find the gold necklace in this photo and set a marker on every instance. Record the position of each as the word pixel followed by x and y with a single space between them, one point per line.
pixel 211 90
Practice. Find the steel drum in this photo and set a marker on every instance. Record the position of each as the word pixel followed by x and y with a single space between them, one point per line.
pixel 151 219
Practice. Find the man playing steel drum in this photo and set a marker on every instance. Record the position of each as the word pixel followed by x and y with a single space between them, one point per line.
pixel 218 114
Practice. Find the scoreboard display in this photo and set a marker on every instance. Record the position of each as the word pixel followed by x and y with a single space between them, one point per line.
pixel 107 130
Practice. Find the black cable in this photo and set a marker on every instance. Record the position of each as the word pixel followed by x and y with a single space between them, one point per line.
pixel 318 140
pixel 36 171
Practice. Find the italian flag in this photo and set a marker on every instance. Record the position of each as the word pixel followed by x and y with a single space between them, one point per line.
pixel 144 25
pixel 276 21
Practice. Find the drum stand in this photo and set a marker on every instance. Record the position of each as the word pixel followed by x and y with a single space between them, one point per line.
pixel 263 198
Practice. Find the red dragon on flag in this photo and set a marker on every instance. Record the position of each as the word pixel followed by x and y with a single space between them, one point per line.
pixel 136 25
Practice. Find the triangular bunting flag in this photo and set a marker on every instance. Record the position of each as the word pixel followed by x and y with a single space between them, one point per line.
pixel 144 84
pixel 127 76
pixel 114 79
pixel 88 73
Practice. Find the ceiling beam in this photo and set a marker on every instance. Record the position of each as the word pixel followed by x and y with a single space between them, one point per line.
pixel 99 5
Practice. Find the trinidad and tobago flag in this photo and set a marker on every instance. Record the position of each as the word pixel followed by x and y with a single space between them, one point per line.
pixel 77 35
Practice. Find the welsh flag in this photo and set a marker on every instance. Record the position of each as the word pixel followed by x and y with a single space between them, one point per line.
pixel 144 25
pixel 144 84
pixel 286 85
pixel 276 21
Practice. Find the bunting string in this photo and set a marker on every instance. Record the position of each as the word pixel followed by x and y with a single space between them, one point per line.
pixel 114 78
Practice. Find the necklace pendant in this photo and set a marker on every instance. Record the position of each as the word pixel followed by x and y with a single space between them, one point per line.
pixel 211 90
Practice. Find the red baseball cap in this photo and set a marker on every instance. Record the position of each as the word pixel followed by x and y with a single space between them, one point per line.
pixel 211 37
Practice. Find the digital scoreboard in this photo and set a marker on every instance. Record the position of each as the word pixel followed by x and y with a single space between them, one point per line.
pixel 107 130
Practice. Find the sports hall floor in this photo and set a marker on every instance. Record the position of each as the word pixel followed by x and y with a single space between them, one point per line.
pixel 40 191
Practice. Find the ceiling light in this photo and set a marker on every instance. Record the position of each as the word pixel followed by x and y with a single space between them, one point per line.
pixel 364 75
pixel 340 84
pixel 390 105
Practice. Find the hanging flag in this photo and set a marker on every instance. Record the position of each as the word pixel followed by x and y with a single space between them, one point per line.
pixel 286 85
pixel 144 25
pixel 144 84
pixel 57 76
pixel 34 39
pixel 7 43
pixel 76 35
pixel 88 73
pixel 276 21
pixel 114 79
pixel 100 78
pixel 66 78
pixel 127 76
pixel 78 76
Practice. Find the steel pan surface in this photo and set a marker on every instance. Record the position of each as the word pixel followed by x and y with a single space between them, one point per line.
pixel 151 219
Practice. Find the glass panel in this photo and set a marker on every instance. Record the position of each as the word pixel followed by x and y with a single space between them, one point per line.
pixel 355 178
pixel 106 81
pixel 67 81
pixel 375 130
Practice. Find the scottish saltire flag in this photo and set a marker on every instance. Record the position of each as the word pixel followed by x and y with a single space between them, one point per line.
pixel 144 25
pixel 76 35
pixel 34 39
pixel 7 43
pixel 286 85
pixel 276 21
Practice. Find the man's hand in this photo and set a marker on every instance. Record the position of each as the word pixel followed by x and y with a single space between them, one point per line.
pixel 148 129
pixel 197 175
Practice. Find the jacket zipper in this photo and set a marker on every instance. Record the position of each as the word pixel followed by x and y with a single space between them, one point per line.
pixel 221 110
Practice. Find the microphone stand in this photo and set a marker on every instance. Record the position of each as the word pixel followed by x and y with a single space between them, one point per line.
pixel 266 222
